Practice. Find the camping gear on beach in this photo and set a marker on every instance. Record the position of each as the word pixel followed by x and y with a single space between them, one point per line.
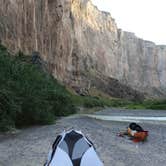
pixel 72 148
pixel 135 132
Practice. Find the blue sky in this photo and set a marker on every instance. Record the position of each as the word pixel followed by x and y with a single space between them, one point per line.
pixel 146 18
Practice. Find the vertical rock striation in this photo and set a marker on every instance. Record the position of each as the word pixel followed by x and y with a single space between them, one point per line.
pixel 82 45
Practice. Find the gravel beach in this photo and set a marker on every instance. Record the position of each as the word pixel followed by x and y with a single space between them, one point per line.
pixel 29 147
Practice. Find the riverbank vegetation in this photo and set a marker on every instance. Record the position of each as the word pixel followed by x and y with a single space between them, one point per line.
pixel 91 102
pixel 30 96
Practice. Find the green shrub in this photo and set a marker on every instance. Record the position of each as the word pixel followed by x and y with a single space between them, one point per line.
pixel 155 104
pixel 8 111
pixel 28 95
pixel 93 102
pixel 62 104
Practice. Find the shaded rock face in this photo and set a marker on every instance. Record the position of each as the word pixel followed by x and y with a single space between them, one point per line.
pixel 78 42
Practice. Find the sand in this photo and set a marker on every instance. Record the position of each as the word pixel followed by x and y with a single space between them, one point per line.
pixel 29 147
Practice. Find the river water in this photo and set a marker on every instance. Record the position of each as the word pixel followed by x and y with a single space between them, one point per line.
pixel 128 118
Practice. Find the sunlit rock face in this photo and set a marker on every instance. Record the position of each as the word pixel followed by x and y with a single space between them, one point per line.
pixel 81 44
pixel 143 64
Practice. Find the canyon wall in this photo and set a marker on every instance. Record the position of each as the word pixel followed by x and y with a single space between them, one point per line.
pixel 83 46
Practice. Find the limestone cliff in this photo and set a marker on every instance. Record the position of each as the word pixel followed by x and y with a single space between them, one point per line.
pixel 82 46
